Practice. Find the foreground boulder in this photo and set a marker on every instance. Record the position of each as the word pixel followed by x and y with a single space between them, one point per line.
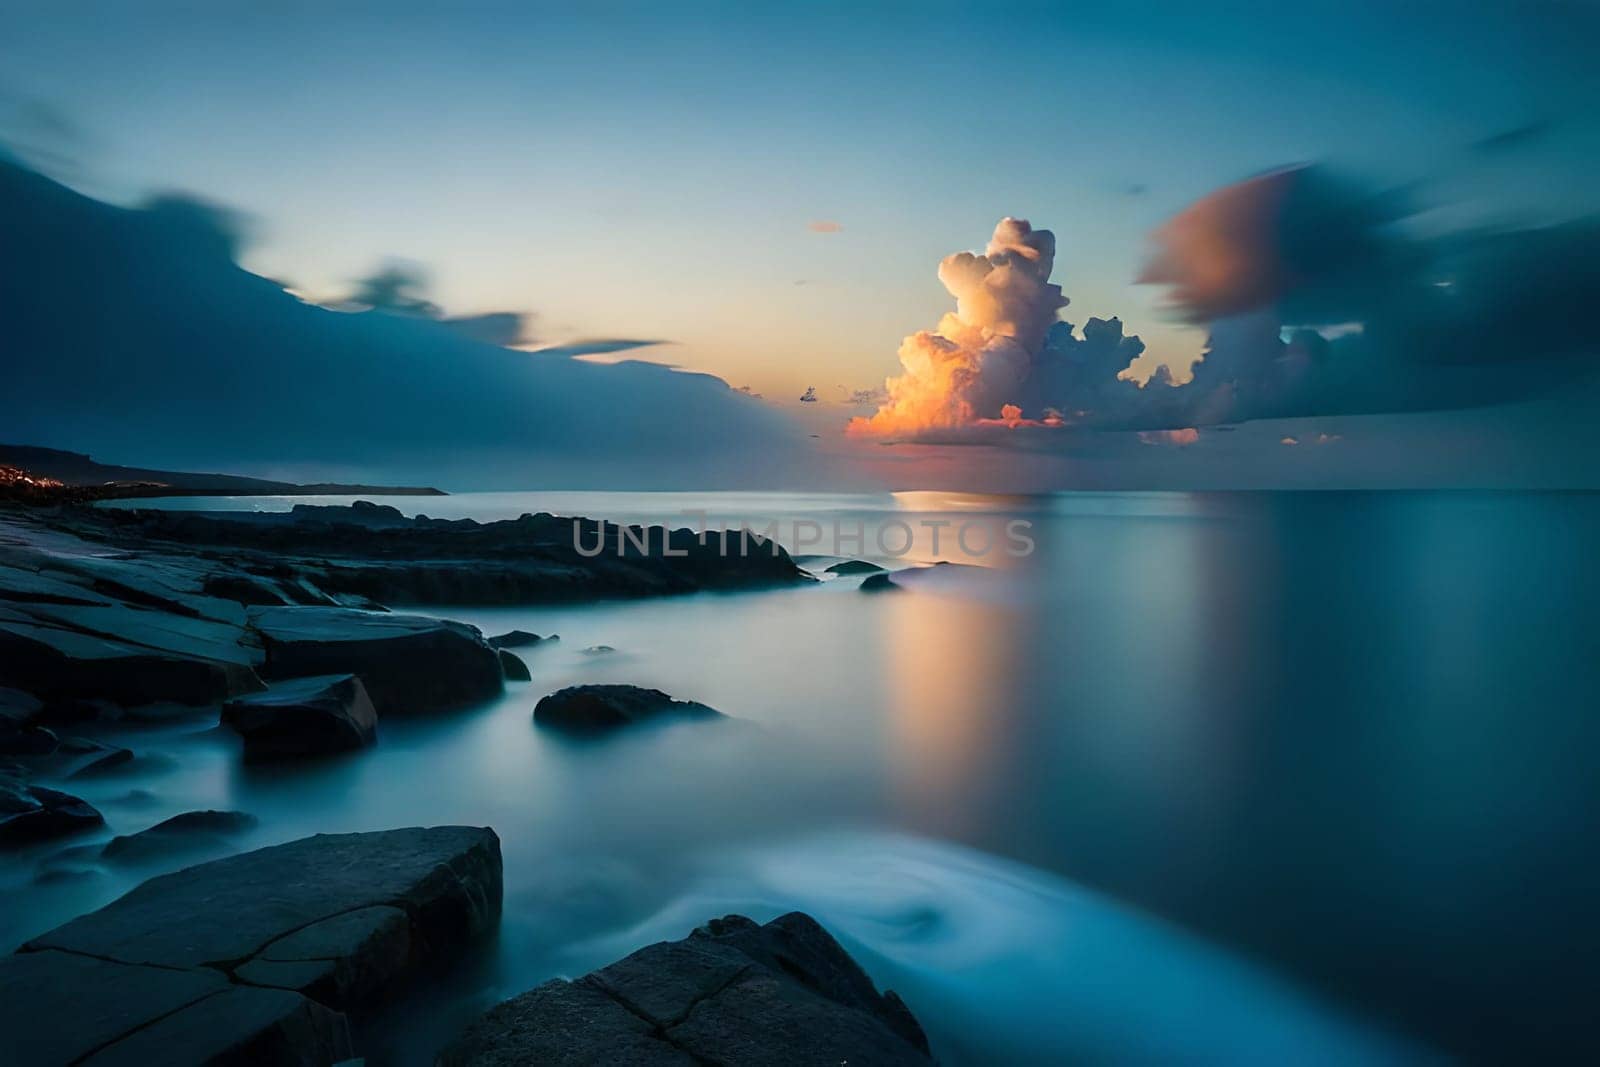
pixel 256 958
pixel 59 1007
pixel 731 992
pixel 599 708
pixel 304 717
pixel 410 664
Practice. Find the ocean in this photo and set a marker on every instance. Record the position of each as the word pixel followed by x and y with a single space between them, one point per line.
pixel 1213 778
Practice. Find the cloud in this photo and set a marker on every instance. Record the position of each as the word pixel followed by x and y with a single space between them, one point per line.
pixel 977 358
pixel 825 226
pixel 1181 438
pixel 129 335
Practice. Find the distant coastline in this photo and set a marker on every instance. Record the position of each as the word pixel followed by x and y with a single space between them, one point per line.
pixel 48 475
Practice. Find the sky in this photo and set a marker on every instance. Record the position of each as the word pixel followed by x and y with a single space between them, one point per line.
pixel 770 191
pixel 652 171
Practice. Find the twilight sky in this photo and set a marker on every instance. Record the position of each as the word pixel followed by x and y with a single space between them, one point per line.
pixel 654 172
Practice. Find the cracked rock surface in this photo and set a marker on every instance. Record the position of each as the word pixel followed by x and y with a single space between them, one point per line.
pixel 732 992
pixel 255 958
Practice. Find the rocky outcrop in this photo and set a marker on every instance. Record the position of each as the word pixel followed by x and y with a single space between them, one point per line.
pixel 879 583
pixel 588 709
pixel 373 551
pixel 409 664
pixel 731 992
pixel 312 716
pixel 257 958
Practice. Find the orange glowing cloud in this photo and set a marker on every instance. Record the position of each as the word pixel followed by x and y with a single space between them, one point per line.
pixel 1177 438
pixel 964 371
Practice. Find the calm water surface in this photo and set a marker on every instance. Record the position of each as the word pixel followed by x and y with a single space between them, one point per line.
pixel 1216 778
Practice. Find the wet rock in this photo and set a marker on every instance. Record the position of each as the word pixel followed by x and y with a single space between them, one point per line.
pixel 19 710
pixel 80 757
pixel 31 813
pixel 854 566
pixel 515 670
pixel 27 740
pixel 294 903
pixel 186 832
pixel 599 708
pixel 519 639
pixel 731 992
pixel 63 653
pixel 878 583
pixel 410 664
pixel 304 717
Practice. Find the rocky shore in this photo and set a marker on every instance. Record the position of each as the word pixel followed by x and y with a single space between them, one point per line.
pixel 274 626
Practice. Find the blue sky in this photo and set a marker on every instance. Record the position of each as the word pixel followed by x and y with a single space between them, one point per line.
pixel 651 171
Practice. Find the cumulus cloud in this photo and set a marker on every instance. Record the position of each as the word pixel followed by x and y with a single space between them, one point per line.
pixel 824 226
pixel 1181 438
pixel 977 358
pixel 1319 298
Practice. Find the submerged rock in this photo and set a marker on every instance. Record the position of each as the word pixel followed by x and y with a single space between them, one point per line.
pixel 304 717
pixel 515 670
pixel 31 813
pixel 596 650
pixel 256 958
pixel 520 639
pixel 879 583
pixel 598 708
pixel 731 992
pixel 185 832
pixel 410 664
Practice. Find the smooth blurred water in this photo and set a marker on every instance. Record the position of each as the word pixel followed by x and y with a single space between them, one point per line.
pixel 1217 778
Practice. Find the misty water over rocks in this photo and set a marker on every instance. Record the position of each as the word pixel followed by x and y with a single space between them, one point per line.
pixel 1218 777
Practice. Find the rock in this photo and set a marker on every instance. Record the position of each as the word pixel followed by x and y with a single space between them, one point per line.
pixel 27 740
pixel 242 1025
pixel 520 639
pixel 19 709
pixel 69 654
pixel 410 664
pixel 185 832
pixel 731 992
pixel 597 650
pixel 854 566
pixel 514 668
pixel 598 708
pixel 80 757
pixel 878 583
pixel 296 904
pixel 304 717
pixel 33 813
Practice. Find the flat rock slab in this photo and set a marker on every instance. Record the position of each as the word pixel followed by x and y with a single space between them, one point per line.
pixel 410 664
pixel 60 1008
pixel 304 717
pixel 222 914
pixel 599 708
pixel 254 958
pixel 732 992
